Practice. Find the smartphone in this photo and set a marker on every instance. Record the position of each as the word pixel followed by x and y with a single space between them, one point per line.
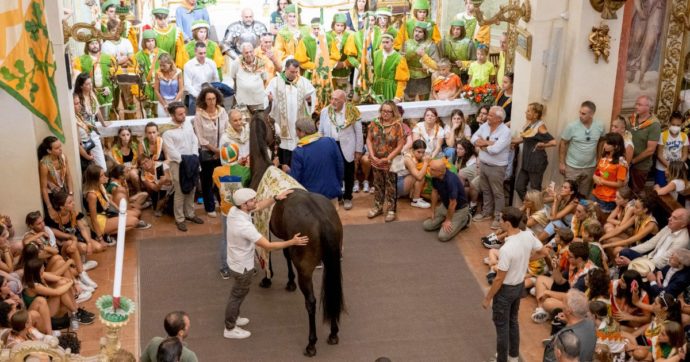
pixel 552 186
pixel 633 285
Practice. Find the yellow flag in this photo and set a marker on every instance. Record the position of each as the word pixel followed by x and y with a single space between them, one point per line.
pixel 27 65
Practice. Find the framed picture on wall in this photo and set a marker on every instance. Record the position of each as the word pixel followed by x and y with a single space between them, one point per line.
pixel 523 44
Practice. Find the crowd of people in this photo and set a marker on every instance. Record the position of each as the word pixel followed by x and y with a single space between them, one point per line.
pixel 608 275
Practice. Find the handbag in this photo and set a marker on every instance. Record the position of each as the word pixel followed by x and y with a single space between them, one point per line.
pixel 398 164
pixel 207 155
pixel 88 145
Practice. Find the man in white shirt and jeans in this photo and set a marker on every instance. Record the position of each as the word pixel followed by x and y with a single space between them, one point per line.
pixel 242 238
pixel 248 73
pixel 507 288
pixel 198 71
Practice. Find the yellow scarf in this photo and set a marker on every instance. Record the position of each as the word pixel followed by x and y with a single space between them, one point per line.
pixel 308 139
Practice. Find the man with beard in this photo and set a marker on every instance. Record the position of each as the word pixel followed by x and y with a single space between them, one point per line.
pixel 246 30
pixel 293 97
pixel 421 14
pixel 101 68
pixel 168 37
pixel 421 55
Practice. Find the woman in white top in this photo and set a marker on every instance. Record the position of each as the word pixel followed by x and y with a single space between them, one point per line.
pixel 675 172
pixel 456 130
pixel 431 132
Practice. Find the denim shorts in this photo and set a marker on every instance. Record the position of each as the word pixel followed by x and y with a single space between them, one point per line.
pixel 605 206
pixel 400 186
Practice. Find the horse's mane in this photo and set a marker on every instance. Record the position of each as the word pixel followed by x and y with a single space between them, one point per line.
pixel 258 150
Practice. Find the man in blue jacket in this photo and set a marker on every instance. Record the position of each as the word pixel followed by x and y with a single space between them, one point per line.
pixel 317 163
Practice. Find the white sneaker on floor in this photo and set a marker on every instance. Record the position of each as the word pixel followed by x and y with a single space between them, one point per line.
pixel 242 321
pixel 85 279
pixel 365 186
pixel 212 214
pixel 91 264
pixel 420 203
pixel 355 187
pixel 84 287
pixel 83 297
pixel 236 333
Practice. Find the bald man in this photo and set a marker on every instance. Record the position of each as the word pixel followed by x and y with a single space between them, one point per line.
pixel 452 214
pixel 646 130
pixel 341 121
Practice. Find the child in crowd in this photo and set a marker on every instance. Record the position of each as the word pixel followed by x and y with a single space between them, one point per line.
pixel 591 234
pixel 608 330
pixel 611 172
pixel 481 71
pixel 157 182
pixel 673 146
pixel 445 85
pixel 676 173
pixel 564 203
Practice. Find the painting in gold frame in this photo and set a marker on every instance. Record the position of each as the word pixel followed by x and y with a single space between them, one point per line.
pixel 523 44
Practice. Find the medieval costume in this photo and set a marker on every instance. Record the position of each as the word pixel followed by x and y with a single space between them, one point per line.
pixel 390 73
pixel 420 66
pixel 407 28
pixel 317 58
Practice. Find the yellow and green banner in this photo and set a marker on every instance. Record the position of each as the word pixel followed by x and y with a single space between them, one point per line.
pixel 27 65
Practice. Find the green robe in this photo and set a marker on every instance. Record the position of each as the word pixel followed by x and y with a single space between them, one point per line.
pixel 359 43
pixel 330 38
pixel 107 64
pixel 392 31
pixel 414 61
pixel 167 42
pixel 211 49
pixel 384 74
pixel 144 64
pixel 454 50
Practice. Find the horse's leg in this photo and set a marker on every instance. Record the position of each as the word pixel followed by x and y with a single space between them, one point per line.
pixel 291 286
pixel 307 288
pixel 266 281
pixel 333 337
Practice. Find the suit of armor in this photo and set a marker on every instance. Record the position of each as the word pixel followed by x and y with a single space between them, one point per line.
pixel 238 33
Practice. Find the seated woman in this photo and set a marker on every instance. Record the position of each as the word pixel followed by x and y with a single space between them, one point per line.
pixel 19 332
pixel 431 131
pixel 71 228
pixel 537 219
pixel 668 346
pixel 57 290
pixel 102 212
pixel 125 152
pixel 466 162
pixel 643 223
pixel 455 131
pixel 564 204
pixel 157 182
pixel 8 308
pixel 551 291
pixel 411 180
pixel 664 308
pixel 623 307
pixel 54 174
pixel 39 310
pixel 118 189
pixel 624 210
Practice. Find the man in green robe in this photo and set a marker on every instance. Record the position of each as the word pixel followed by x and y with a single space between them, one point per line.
pixel 458 48
pixel 168 37
pixel 366 41
pixel 390 71
pixel 341 37
pixel 421 55
pixel 420 11
pixel 383 20
pixel 128 32
pixel 147 66
pixel 101 68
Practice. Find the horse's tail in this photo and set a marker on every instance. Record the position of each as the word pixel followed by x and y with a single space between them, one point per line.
pixel 332 300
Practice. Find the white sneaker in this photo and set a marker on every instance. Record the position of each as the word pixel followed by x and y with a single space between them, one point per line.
pixel 84 287
pixel 365 186
pixel 212 214
pixel 355 187
pixel 241 321
pixel 85 279
pixel 83 296
pixel 236 333
pixel 420 203
pixel 91 264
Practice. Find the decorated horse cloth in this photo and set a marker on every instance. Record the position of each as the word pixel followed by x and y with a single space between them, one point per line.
pixel 273 182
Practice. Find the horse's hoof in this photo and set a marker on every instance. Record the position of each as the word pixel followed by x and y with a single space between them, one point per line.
pixel 265 283
pixel 333 340
pixel 291 287
pixel 310 351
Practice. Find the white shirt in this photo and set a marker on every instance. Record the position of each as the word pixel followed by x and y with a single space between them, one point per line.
pixel 673 147
pixel 662 245
pixel 249 87
pixel 196 74
pixel 467 131
pixel 180 141
pixel 303 87
pixel 431 139
pixel 513 257
pixel 121 48
pixel 242 236
pixel 339 120
pixel 497 154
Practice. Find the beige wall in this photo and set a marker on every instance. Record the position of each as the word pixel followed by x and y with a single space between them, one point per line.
pixel 578 78
pixel 19 182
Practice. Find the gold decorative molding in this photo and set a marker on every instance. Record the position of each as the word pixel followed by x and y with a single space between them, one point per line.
pixel 510 13
pixel 607 8
pixel 600 42
pixel 672 56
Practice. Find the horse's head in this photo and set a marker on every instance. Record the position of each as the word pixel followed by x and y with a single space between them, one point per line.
pixel 261 137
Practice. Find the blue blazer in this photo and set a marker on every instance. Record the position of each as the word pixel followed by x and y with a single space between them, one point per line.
pixel 319 167
pixel 679 281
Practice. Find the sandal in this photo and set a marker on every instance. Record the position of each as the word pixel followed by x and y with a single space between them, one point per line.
pixel 390 216
pixel 374 213
pixel 540 315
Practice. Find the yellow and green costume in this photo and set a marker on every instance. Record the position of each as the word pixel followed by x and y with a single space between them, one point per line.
pixel 390 75
pixel 102 70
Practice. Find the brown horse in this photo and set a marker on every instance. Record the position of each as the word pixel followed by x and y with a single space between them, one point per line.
pixel 312 215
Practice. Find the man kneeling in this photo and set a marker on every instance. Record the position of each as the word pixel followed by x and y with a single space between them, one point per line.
pixel 452 215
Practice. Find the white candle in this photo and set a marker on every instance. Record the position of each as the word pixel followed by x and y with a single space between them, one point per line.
pixel 120 250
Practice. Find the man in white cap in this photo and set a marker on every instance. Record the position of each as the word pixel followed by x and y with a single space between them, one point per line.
pixel 242 238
